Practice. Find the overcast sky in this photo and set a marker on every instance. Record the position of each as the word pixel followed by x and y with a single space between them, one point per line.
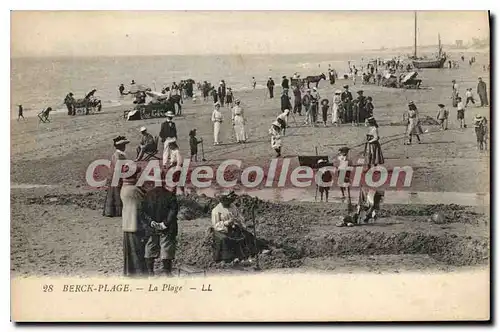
pixel 87 33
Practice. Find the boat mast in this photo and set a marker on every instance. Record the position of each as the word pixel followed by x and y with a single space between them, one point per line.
pixel 439 40
pixel 415 42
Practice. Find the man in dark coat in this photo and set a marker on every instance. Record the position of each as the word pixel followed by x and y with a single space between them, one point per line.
pixel 270 87
pixel 222 92
pixel 161 205
pixel 346 98
pixel 482 92
pixel 359 109
pixel 68 101
pixel 297 103
pixel 168 128
pixel 284 83
pixel 285 101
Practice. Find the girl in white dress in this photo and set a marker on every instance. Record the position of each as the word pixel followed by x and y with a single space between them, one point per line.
pixel 217 119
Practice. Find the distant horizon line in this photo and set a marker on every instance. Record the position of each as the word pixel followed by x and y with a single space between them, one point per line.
pixel 381 49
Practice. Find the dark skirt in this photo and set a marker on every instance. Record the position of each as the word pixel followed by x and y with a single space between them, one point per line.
pixel 134 263
pixel 480 134
pixel 460 114
pixel 282 123
pixel 238 243
pixel 113 202
pixel 375 156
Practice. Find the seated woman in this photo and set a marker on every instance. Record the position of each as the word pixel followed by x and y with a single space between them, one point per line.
pixel 231 240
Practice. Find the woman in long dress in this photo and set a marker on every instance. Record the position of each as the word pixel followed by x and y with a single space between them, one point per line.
pixel 239 123
pixel 217 121
pixel 113 203
pixel 373 150
pixel 337 100
pixel 413 128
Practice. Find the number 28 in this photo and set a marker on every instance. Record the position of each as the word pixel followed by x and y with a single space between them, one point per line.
pixel 48 288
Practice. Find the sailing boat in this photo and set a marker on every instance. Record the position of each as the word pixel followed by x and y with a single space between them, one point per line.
pixel 437 62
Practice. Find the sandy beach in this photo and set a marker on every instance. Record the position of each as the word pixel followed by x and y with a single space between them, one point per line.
pixel 50 199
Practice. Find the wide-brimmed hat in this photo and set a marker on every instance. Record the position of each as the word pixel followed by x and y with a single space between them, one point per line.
pixel 411 102
pixel 315 88
pixel 440 105
pixel 169 140
pixel 344 149
pixel 360 91
pixel 338 92
pixel 286 111
pixel 284 76
pixel 479 116
pixel 237 101
pixel 346 86
pixel 322 161
pixel 270 77
pixel 119 140
pixel 143 129
pixel 170 114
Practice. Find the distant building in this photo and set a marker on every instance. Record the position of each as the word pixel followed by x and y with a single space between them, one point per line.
pixel 459 43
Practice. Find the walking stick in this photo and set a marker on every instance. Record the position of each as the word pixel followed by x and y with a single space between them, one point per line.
pixel 202 152
pixel 257 265
pixel 316 193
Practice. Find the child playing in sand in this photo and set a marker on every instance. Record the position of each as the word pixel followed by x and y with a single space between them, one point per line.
pixel 343 171
pixel 442 117
pixel 461 113
pixel 324 110
pixel 193 144
pixel 469 97
pixel 275 132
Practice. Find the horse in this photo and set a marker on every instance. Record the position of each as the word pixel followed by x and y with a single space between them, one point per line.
pixel 314 79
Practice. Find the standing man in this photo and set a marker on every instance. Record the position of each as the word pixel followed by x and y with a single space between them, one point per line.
pixel 121 89
pixel 306 101
pixel 315 97
pixel 270 87
pixel 222 92
pixel 285 101
pixel 161 205
pixel 297 102
pixel 254 83
pixel 284 83
pixel 68 101
pixel 346 98
pixel 482 92
pixel 168 131
pixel 20 112
pixel 359 111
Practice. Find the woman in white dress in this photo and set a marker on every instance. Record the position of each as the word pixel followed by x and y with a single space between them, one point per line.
pixel 217 121
pixel 337 100
pixel 239 123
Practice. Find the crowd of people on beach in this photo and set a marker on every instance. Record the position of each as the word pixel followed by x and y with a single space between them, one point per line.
pixel 149 216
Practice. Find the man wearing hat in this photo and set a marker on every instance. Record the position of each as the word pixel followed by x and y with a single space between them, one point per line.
pixel 284 83
pixel 297 102
pixel 454 93
pixel 270 87
pixel 346 98
pixel 162 206
pixel 232 240
pixel 217 120
pixel 358 110
pixel 112 202
pixel 168 130
pixel 285 101
pixel 315 97
pixel 442 117
pixel 147 144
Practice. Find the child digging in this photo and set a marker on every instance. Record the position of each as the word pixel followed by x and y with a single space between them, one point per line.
pixel 193 144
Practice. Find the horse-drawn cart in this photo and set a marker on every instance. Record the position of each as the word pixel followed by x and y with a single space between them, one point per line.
pixel 86 106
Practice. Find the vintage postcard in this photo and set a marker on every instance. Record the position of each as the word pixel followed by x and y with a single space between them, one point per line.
pixel 308 166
